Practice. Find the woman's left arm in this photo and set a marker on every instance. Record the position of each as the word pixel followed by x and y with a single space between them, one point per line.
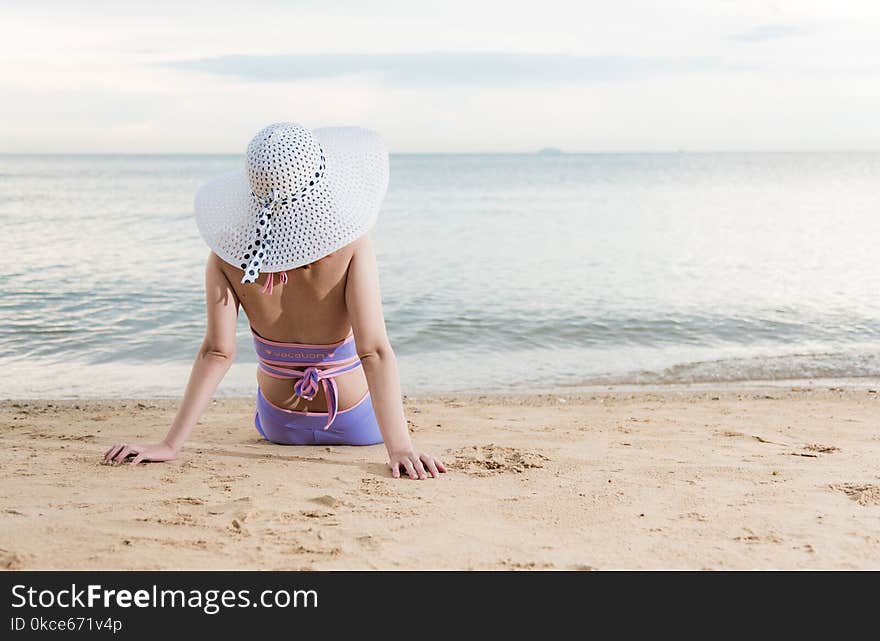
pixel 213 360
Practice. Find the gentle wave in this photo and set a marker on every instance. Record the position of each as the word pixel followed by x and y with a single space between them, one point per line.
pixel 498 272
pixel 797 366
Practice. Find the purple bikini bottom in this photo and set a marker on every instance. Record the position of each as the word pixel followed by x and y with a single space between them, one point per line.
pixel 354 426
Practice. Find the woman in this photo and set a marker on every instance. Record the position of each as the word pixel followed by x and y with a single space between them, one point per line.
pixel 289 243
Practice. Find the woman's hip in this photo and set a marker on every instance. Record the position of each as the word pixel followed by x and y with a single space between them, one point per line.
pixel 353 426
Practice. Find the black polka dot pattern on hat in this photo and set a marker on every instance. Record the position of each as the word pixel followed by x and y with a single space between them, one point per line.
pixel 285 163
pixel 348 167
pixel 265 226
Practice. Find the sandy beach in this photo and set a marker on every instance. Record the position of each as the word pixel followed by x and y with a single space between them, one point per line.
pixel 758 477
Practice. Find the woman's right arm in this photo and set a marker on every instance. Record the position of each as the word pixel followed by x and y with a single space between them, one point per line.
pixel 213 360
pixel 364 303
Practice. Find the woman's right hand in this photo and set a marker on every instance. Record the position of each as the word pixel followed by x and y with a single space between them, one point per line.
pixel 156 453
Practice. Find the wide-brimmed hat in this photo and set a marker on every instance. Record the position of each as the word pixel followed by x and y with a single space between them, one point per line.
pixel 301 195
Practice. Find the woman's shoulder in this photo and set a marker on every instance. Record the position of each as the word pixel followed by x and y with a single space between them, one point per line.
pixel 215 262
pixel 363 245
pixel 222 270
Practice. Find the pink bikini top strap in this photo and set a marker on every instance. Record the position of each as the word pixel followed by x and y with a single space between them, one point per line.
pixel 267 288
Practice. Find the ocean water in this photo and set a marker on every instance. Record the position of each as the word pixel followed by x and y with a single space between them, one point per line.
pixel 499 272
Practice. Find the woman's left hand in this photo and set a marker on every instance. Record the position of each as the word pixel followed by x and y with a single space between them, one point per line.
pixel 417 466
pixel 156 453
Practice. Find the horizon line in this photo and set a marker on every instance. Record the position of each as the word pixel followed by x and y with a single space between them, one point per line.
pixel 539 152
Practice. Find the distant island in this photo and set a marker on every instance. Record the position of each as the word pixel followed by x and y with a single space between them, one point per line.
pixel 550 151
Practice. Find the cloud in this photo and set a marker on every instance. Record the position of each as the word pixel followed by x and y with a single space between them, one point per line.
pixel 447 68
pixel 767 32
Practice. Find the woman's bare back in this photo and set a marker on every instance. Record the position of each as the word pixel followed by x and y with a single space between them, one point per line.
pixel 335 295
pixel 309 308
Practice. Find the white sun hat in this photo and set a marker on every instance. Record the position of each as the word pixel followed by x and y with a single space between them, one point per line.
pixel 301 195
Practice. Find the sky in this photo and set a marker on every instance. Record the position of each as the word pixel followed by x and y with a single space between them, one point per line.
pixel 475 76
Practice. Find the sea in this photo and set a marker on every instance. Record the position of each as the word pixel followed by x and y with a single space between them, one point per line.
pixel 499 273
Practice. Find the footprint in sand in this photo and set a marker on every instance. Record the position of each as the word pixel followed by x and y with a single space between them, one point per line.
pixel 238 525
pixel 316 514
pixel 327 501
pixel 182 501
pixel 288 517
pixel 312 550
pixel 11 560
pixel 224 507
pixel 486 460
pixel 863 494
pixel 234 513
pixel 369 542
pixel 752 537
pixel 177 519
pixel 821 449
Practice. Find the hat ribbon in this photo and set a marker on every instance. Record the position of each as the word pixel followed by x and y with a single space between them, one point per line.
pixel 257 251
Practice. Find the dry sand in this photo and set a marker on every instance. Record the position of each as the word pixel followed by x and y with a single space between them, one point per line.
pixel 774 477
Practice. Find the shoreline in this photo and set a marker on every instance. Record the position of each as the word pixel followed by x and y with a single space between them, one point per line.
pixel 721 477
pixel 866 383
